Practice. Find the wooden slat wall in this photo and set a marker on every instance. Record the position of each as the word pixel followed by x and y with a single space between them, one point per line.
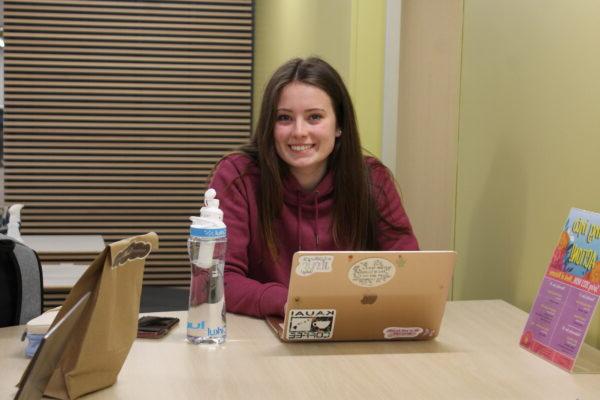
pixel 54 298
pixel 116 111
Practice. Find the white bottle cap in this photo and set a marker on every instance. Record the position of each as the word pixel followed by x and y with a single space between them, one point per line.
pixel 211 206
pixel 211 218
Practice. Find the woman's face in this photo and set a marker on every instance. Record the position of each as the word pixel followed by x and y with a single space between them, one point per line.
pixel 305 131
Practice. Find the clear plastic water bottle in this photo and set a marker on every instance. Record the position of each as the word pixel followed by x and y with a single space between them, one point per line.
pixel 206 247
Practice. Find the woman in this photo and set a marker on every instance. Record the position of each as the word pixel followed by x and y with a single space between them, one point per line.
pixel 302 183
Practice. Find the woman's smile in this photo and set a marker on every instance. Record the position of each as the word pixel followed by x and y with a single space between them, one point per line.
pixel 299 148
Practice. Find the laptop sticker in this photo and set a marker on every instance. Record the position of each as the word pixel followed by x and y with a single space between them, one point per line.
pixel 308 265
pixel 310 324
pixel 406 333
pixel 368 299
pixel 371 272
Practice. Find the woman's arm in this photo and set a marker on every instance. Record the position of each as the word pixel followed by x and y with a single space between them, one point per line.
pixel 393 229
pixel 237 196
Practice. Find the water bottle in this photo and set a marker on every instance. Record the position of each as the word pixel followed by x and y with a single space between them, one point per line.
pixel 206 247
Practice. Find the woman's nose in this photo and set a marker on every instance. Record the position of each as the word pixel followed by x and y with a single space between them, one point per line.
pixel 299 128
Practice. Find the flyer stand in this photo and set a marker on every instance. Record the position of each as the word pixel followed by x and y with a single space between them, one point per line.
pixel 562 311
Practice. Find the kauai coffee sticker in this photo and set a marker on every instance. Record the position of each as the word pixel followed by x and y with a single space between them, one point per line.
pixel 371 272
pixel 310 324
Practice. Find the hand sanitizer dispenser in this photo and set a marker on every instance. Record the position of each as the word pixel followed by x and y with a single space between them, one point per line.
pixel 14 222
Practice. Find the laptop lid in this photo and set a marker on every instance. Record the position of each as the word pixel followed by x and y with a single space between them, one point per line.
pixel 42 365
pixel 367 295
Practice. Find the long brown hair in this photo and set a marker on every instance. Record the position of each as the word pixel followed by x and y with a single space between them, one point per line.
pixel 355 212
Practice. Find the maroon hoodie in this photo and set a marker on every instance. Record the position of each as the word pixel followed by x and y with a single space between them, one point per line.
pixel 255 284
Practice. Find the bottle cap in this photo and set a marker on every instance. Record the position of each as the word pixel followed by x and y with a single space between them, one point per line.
pixel 210 222
pixel 211 206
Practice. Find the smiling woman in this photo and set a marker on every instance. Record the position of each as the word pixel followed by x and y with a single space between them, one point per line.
pixel 302 183
pixel 305 132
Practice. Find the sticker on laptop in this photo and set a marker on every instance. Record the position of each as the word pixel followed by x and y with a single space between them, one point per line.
pixel 308 265
pixel 310 324
pixel 371 272
pixel 407 332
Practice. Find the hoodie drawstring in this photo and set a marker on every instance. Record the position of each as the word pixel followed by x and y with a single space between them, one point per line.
pixel 315 221
pixel 299 221
pixel 316 225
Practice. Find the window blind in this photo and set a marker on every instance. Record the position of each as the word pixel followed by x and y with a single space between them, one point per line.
pixel 116 112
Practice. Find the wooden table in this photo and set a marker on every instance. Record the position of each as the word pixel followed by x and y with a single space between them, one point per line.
pixel 476 356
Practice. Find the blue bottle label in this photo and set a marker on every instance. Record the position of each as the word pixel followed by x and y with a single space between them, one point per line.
pixel 208 232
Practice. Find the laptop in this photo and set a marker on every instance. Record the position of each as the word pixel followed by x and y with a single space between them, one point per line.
pixel 365 295
pixel 42 365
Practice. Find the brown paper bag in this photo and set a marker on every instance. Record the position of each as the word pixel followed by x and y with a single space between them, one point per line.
pixel 101 341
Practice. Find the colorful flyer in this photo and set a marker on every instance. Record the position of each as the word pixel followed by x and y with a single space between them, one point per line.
pixel 561 314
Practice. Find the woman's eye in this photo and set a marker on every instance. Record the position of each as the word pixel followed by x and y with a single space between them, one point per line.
pixel 283 118
pixel 315 117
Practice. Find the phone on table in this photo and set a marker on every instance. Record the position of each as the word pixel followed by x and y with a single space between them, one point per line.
pixel 150 327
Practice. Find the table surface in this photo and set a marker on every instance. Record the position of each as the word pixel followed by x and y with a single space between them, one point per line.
pixel 53 244
pixel 476 356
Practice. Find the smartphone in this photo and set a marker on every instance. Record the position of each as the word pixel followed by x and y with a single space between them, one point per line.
pixel 155 327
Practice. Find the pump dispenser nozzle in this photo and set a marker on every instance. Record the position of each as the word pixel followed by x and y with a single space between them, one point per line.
pixel 14 222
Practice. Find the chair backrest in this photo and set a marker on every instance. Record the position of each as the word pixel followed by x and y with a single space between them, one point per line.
pixel 21 283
